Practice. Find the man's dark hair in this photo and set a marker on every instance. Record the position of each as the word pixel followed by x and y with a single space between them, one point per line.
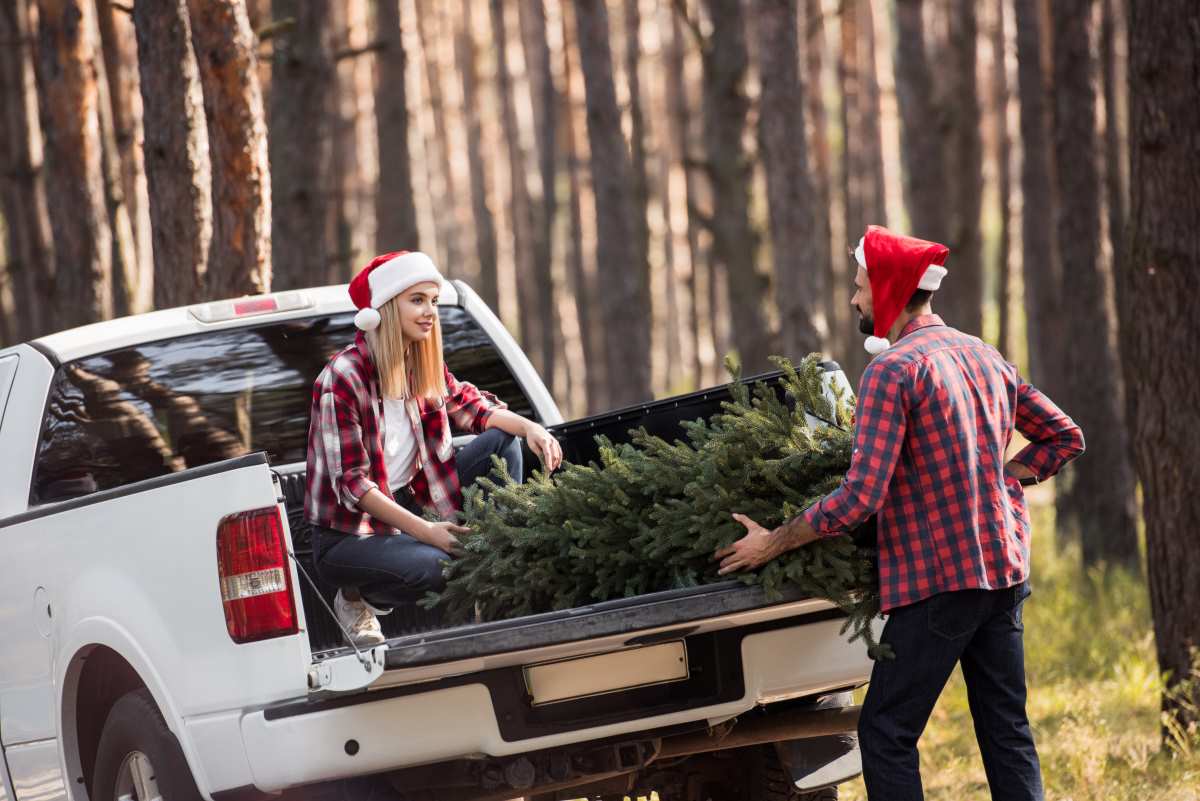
pixel 918 299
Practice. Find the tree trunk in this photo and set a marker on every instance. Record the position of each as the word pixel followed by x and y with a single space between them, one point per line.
pixel 30 253
pixel 178 170
pixel 302 86
pixel 119 45
pixel 874 204
pixel 67 65
pixel 735 243
pixel 577 275
pixel 1099 499
pixel 1039 255
pixel 545 124
pixel 240 256
pixel 1114 154
pixel 637 135
pixel 1003 158
pixel 485 225
pixel 521 209
pixel 395 212
pixel 625 317
pixel 799 279
pixel 923 139
pixel 445 225
pixel 1158 280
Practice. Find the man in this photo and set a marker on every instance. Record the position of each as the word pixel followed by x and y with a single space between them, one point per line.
pixel 934 417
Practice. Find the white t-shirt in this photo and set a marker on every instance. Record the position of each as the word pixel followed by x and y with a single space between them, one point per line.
pixel 399 441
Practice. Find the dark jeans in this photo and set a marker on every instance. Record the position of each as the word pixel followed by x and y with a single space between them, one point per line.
pixel 397 569
pixel 982 629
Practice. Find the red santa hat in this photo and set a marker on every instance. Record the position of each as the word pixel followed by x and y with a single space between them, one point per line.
pixel 896 266
pixel 386 277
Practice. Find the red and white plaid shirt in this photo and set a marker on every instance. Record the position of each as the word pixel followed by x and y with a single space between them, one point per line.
pixel 933 421
pixel 345 443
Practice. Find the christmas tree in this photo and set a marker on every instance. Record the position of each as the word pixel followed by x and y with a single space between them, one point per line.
pixel 650 513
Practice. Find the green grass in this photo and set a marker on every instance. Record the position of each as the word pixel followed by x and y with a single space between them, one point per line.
pixel 1094 694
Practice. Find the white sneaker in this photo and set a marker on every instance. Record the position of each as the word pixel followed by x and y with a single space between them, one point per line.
pixel 357 618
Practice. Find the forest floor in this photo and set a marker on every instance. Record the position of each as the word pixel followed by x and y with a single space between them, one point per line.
pixel 1094 693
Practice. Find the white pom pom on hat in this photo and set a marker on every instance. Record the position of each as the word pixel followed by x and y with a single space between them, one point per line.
pixel 876 345
pixel 385 277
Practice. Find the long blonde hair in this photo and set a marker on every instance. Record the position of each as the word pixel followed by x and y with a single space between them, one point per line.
pixel 420 361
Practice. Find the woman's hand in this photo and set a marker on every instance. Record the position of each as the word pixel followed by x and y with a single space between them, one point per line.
pixel 542 443
pixel 442 536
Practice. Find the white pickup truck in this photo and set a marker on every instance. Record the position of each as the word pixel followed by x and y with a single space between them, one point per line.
pixel 163 634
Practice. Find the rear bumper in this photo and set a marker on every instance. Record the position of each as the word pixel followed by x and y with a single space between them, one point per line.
pixel 400 727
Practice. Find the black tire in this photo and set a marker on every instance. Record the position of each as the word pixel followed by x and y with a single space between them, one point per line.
pixel 135 726
pixel 765 778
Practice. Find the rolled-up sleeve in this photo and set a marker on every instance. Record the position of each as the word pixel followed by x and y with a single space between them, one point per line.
pixel 1054 438
pixel 468 407
pixel 345 455
pixel 881 419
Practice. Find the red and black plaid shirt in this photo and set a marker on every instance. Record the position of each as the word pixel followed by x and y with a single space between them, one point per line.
pixel 933 421
pixel 345 443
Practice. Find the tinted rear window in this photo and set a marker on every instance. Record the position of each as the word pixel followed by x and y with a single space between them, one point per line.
pixel 162 407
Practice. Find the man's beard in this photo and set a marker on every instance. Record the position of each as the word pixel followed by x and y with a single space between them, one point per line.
pixel 866 323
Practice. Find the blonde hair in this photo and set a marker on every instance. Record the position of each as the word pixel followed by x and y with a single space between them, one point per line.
pixel 420 361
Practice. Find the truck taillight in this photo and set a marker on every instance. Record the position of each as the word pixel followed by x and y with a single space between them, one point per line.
pixel 256 584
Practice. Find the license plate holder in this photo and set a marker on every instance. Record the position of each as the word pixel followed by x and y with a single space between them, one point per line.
pixel 587 676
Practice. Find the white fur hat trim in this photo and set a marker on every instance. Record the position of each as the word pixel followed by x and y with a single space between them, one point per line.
pixel 876 345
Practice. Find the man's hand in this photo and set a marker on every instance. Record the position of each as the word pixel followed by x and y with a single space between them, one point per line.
pixel 758 547
pixel 441 536
pixel 542 443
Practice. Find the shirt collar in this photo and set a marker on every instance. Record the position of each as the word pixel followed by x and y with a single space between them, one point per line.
pixel 919 322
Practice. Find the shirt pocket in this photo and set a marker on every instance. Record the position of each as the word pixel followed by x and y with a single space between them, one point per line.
pixel 435 425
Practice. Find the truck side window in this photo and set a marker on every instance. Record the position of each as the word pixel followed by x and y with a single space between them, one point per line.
pixel 162 407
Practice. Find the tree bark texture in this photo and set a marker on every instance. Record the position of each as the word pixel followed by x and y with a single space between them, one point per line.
pixel 445 225
pixel 30 252
pixel 923 131
pixel 1099 499
pixel 485 225
pixel 395 212
pixel 799 279
pixel 1039 254
pixel 625 316
pixel 960 299
pixel 544 95
pixel 1159 329
pixel 1000 97
pixel 637 136
pixel 300 140
pixel 240 257
pixel 735 243
pixel 67 67
pixel 1114 153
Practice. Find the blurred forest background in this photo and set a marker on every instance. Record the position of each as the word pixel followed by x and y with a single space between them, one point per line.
pixel 642 186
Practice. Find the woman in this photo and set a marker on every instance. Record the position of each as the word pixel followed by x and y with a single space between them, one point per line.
pixel 380 452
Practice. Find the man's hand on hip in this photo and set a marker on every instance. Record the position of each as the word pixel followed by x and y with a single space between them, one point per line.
pixel 760 546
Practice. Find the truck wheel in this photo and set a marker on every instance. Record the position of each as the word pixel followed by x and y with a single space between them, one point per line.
pixel 138 758
pixel 764 778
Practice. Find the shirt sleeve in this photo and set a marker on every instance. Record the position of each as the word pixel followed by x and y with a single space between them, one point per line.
pixel 468 407
pixel 346 456
pixel 881 420
pixel 1054 438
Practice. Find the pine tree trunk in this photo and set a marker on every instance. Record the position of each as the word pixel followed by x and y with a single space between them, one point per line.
pixel 395 212
pixel 851 112
pixel 1114 154
pixel 1000 97
pixel 735 243
pixel 485 224
pixel 302 86
pixel 124 250
pixel 1159 331
pixel 1099 499
pixel 625 317
pixel 178 170
pixel 1039 255
pixel 240 256
pixel 521 209
pixel 874 204
pixel 119 47
pixel 799 279
pixel 30 253
pixel 445 225
pixel 922 141
pixel 577 276
pixel 960 300
pixel 67 65
pixel 637 134
pixel 544 95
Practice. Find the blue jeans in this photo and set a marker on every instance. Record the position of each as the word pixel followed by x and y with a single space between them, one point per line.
pixel 982 629
pixel 397 569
